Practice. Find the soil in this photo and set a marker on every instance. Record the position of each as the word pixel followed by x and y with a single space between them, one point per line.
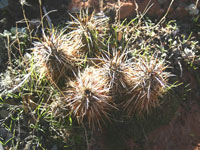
pixel 161 130
pixel 156 8
pixel 172 127
pixel 182 132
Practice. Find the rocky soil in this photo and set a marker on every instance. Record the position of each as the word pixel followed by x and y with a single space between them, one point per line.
pixel 181 131
pixel 183 9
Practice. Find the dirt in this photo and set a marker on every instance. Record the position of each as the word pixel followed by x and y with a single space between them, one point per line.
pixel 129 8
pixel 61 8
pixel 161 130
pixel 182 133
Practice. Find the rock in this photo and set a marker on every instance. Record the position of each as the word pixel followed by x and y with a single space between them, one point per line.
pixel 3 113
pixel 192 9
pixel 3 3
pixel 76 5
pixel 3 133
pixel 28 146
pixel 1 147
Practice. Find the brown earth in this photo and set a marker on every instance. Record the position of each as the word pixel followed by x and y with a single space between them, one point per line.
pixel 182 132
pixel 127 9
pixel 157 8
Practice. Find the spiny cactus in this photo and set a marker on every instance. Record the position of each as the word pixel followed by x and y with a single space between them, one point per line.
pixel 116 67
pixel 148 81
pixel 54 54
pixel 89 97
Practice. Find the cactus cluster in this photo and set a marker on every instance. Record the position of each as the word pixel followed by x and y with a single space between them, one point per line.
pixel 117 79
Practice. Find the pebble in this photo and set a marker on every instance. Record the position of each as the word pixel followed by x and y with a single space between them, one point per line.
pixel 1 147
pixel 3 133
pixel 4 113
pixel 3 3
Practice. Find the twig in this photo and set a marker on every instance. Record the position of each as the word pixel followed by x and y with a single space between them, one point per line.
pixel 86 137
pixel 196 4
pixel 48 18
pixel 148 6
pixel 136 8
pixel 14 90
pixel 27 23
pixel 164 17
pixel 181 69
pixel 101 6
pixel 9 51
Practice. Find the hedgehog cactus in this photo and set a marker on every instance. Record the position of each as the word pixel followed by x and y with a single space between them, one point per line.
pixel 147 82
pixel 116 68
pixel 55 54
pixel 91 31
pixel 89 97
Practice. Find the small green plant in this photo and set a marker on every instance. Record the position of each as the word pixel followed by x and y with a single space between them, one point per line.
pixel 91 32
